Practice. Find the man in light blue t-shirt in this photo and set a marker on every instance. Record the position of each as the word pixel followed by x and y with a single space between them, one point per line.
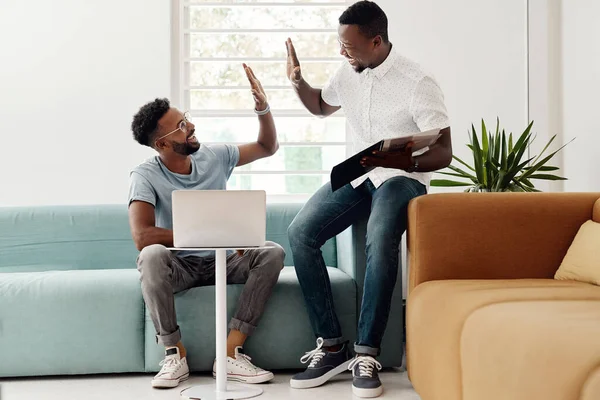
pixel 183 163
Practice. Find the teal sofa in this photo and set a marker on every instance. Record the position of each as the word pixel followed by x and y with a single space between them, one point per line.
pixel 70 298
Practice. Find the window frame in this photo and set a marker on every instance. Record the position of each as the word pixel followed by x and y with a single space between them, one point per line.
pixel 180 74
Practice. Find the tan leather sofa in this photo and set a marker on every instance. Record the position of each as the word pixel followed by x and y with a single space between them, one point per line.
pixel 485 318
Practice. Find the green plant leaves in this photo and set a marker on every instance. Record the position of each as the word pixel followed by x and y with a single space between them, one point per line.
pixel 463 173
pixel 447 183
pixel 484 138
pixel 504 157
pixel 478 158
pixel 548 177
pixel 539 164
pixel 498 164
pixel 463 163
pixel 544 168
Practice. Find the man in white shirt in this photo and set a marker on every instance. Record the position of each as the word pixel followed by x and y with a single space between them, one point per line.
pixel 384 95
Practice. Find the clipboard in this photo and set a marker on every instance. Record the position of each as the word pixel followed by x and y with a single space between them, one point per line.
pixel 350 169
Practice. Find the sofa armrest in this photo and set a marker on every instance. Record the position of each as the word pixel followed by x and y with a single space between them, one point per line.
pixel 492 235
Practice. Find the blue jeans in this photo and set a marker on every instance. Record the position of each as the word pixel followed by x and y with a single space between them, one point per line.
pixel 327 214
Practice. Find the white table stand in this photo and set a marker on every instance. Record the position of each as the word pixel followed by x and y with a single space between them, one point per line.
pixel 221 390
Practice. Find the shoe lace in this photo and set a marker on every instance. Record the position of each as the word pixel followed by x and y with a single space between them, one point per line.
pixel 169 364
pixel 245 360
pixel 314 356
pixel 365 366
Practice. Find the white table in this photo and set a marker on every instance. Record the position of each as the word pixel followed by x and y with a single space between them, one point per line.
pixel 222 389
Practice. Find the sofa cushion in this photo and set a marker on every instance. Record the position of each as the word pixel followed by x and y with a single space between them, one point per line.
pixel 71 322
pixel 582 261
pixel 282 336
pixel 436 314
pixel 34 239
pixel 524 350
pixel 50 238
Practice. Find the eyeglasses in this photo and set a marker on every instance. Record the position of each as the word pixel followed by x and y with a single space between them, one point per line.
pixel 183 125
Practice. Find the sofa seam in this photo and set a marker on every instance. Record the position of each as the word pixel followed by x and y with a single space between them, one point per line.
pixel 587 378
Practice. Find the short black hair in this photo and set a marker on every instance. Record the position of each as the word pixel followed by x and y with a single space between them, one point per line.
pixel 145 123
pixel 369 17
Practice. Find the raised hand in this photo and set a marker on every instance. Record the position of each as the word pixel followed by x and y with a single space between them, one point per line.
pixel 258 93
pixel 294 73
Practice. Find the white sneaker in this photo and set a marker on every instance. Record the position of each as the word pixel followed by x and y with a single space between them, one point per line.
pixel 240 369
pixel 174 370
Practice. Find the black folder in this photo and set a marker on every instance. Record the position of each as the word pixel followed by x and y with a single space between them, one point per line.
pixel 349 170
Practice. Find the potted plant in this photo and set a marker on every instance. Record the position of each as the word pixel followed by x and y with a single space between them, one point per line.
pixel 498 164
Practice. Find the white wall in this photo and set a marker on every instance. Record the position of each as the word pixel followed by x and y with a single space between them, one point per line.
pixel 72 74
pixel 580 48
pixel 477 50
pixel 564 82
pixel 545 77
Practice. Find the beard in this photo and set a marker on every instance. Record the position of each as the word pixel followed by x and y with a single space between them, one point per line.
pixel 185 149
pixel 358 67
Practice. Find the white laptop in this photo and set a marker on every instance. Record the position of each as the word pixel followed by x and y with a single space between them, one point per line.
pixel 219 218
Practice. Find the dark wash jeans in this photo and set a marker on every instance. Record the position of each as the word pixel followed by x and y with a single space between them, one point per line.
pixel 327 214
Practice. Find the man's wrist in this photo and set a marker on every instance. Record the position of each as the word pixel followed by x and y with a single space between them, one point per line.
pixel 415 165
pixel 262 109
pixel 297 84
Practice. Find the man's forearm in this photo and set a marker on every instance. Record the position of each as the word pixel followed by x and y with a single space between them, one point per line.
pixel 267 133
pixel 433 160
pixel 310 97
pixel 436 158
pixel 154 235
pixel 439 155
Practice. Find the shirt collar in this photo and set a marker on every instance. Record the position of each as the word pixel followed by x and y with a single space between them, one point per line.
pixel 386 65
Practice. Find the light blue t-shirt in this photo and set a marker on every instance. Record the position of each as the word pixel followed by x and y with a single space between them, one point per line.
pixel 152 182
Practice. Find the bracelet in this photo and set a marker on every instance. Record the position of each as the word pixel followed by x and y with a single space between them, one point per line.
pixel 263 112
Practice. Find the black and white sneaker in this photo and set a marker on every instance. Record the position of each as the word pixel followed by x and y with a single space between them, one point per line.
pixel 323 366
pixel 365 382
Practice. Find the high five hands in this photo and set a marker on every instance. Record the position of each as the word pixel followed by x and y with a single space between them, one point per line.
pixel 258 93
pixel 294 72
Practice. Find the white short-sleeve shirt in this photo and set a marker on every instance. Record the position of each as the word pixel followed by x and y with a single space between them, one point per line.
pixel 397 98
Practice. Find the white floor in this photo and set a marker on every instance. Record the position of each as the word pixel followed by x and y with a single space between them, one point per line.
pixel 132 387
